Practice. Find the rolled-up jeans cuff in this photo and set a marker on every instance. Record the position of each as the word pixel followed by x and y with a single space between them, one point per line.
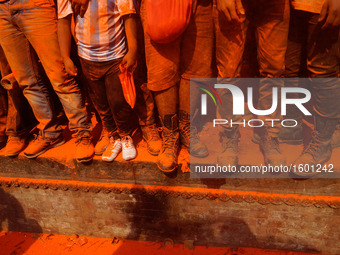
pixel 51 135
pixel 148 122
pixel 126 132
pixel 115 135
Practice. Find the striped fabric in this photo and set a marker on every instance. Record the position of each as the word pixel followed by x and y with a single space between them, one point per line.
pixel 313 6
pixel 100 34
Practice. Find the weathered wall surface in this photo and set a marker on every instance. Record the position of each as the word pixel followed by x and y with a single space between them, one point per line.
pixel 140 213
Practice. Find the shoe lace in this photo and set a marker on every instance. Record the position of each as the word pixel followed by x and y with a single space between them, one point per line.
pixel 169 140
pixel 112 144
pixel 153 131
pixel 191 133
pixel 313 145
pixel 37 138
pixel 186 128
pixel 229 142
pixel 126 141
pixel 83 140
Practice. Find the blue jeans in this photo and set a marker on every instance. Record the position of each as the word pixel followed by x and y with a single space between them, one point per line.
pixel 315 53
pixel 3 114
pixel 106 93
pixel 25 22
pixel 271 22
pixel 16 116
pixel 4 70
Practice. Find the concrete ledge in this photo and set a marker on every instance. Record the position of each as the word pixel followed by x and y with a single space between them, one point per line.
pixel 146 173
pixel 184 192
pixel 58 164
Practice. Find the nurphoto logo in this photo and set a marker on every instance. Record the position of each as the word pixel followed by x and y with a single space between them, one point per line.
pixel 239 105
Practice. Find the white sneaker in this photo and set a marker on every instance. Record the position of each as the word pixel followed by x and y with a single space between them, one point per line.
pixel 112 151
pixel 129 150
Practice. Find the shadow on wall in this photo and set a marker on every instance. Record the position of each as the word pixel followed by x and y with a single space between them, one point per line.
pixel 172 220
pixel 156 216
pixel 12 218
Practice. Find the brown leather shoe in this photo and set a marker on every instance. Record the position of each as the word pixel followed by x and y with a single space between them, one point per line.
pixel 318 150
pixel 84 149
pixel 41 144
pixel 152 139
pixel 15 144
pixel 167 158
pixel 189 137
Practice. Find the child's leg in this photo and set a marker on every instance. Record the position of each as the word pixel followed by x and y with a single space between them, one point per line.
pixel 97 92
pixel 120 109
pixel 94 73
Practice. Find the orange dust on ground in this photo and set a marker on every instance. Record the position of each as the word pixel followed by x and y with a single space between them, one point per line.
pixel 14 243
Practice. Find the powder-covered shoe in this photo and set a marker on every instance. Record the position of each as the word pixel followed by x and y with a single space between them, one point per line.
pixel 15 144
pixel 167 158
pixel 152 139
pixel 102 143
pixel 270 148
pixel 112 150
pixel 41 144
pixel 84 149
pixel 189 137
pixel 128 148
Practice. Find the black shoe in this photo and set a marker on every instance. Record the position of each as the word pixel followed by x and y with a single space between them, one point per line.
pixel 167 158
pixel 189 137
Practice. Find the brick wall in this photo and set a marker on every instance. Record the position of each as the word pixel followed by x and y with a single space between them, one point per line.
pixel 146 216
